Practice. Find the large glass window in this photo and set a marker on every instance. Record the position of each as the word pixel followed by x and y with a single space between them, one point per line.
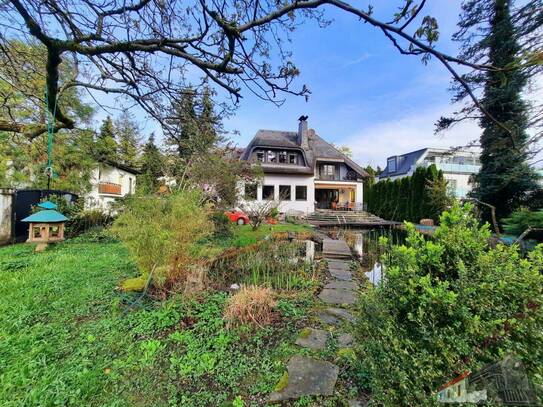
pixel 260 156
pixel 250 192
pixel 284 192
pixel 292 159
pixel 272 156
pixel 301 193
pixel 391 164
pixel 283 157
pixel 268 192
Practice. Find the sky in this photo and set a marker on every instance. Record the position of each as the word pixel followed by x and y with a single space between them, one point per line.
pixel 365 95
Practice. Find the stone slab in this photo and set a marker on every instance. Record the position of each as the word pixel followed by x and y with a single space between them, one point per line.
pixel 307 376
pixel 341 275
pixel 336 296
pixel 345 340
pixel 312 338
pixel 342 285
pixel 340 313
pixel 338 264
pixel 328 319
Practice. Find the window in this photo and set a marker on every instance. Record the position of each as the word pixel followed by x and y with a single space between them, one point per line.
pixel 283 157
pixel 272 156
pixel 391 164
pixel 284 192
pixel 36 232
pixel 328 170
pixel 301 193
pixel 292 159
pixel 250 192
pixel 351 195
pixel 260 156
pixel 54 231
pixel 268 192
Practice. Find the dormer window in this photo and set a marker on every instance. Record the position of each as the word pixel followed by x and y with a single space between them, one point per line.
pixel 260 156
pixel 272 156
pixel 283 157
pixel 391 164
pixel 292 159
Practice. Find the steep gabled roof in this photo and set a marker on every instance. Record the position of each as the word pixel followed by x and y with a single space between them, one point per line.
pixel 318 150
pixel 404 163
pixel 322 150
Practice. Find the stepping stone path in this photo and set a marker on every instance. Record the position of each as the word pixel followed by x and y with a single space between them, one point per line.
pixel 309 376
pixel 312 338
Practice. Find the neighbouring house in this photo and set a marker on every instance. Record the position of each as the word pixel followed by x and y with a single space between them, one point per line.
pixel 109 182
pixel 302 172
pixel 458 166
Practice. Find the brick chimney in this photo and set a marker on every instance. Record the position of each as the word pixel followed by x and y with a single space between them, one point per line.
pixel 303 141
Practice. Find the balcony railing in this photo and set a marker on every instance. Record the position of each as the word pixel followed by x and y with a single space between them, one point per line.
pixel 109 188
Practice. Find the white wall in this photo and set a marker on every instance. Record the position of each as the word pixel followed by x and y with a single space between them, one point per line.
pixel 107 173
pixel 307 206
pixel 6 202
pixel 462 183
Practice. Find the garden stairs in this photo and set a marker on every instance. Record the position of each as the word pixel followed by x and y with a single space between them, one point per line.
pixel 313 376
pixel 323 217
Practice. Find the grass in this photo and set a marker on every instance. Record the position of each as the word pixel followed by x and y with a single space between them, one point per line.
pixel 244 235
pixel 68 337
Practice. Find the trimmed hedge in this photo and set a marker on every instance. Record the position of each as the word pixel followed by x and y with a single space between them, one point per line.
pixel 422 195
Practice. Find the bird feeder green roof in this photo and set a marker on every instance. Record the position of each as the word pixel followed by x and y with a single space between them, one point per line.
pixel 48 205
pixel 46 216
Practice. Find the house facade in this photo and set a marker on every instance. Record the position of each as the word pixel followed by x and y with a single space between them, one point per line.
pixel 109 182
pixel 458 166
pixel 302 172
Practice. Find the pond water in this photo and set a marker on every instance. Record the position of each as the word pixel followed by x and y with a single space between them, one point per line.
pixel 365 242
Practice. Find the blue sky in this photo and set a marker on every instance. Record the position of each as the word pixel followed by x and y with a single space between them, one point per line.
pixel 364 93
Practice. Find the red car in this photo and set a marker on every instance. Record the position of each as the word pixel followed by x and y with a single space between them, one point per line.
pixel 238 216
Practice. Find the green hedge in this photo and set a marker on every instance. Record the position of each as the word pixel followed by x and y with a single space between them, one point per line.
pixel 422 195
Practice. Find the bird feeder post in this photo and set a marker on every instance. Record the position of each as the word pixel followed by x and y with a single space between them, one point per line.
pixel 46 226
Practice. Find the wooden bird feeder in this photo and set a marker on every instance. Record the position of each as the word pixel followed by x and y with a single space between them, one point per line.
pixel 46 226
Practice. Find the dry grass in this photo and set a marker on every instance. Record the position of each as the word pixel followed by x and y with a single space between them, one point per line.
pixel 251 305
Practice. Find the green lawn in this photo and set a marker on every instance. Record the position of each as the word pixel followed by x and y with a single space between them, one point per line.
pixel 244 235
pixel 67 337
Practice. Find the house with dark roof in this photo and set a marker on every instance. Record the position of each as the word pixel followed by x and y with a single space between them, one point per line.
pixel 303 172
pixel 458 166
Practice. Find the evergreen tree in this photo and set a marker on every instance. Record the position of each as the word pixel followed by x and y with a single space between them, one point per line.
pixel 491 34
pixel 105 146
pixel 128 139
pixel 209 126
pixel 405 184
pixel 152 166
pixel 418 180
pixel 183 125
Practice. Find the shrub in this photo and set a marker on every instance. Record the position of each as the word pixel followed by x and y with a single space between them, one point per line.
pixel 87 220
pixel 449 305
pixel 223 226
pixel 521 220
pixel 251 305
pixel 161 234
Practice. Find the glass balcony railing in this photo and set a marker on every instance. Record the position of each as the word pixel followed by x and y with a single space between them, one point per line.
pixel 461 168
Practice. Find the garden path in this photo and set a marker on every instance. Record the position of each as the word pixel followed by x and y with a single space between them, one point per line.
pixel 310 376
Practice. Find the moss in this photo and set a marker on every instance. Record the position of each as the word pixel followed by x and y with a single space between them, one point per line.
pixel 282 383
pixel 346 353
pixel 304 333
pixel 133 284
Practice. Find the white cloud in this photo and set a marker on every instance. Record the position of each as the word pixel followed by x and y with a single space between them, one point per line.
pixel 413 131
pixel 365 56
